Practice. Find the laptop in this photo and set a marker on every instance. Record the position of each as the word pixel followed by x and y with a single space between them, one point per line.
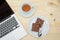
pixel 10 27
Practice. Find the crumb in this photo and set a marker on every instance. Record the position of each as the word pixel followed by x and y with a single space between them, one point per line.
pixel 58 1
pixel 54 19
pixel 51 3
pixel 51 14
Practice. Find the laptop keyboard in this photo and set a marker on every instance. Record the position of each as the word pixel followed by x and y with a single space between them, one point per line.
pixel 8 26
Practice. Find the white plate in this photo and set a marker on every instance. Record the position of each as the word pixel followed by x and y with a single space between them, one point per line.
pixel 45 27
pixel 26 14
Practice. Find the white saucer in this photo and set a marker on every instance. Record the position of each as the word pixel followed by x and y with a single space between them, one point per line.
pixel 45 27
pixel 26 14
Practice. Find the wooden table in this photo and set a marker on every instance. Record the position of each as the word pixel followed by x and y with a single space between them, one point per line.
pixel 47 8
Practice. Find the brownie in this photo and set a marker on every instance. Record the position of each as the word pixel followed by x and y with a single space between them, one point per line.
pixel 35 27
pixel 39 22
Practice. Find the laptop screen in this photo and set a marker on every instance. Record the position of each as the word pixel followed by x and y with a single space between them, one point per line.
pixel 5 10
